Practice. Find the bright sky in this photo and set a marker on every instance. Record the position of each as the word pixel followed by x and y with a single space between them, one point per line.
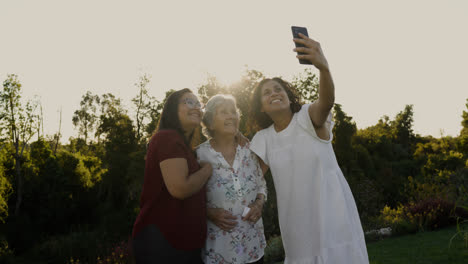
pixel 382 54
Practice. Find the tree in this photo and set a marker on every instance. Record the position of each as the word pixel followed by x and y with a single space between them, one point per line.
pixel 344 131
pixel 21 123
pixel 211 88
pixel 5 191
pixel 145 106
pixel 390 144
pixel 464 122
pixel 85 118
pixel 119 142
pixel 375 157
pixel 155 113
pixel 58 135
pixel 402 128
pixel 241 90
pixel 307 85
pixel 463 138
pixel 40 122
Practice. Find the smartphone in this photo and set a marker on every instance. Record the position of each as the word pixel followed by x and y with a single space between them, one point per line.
pixel 296 31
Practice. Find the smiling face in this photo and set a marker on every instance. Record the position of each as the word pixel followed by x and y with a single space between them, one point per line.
pixel 189 112
pixel 274 98
pixel 225 120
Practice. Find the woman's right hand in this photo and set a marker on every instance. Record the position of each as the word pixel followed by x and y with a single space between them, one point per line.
pixel 222 218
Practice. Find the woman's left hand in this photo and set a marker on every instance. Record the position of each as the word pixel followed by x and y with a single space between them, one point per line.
pixel 241 139
pixel 255 212
pixel 313 52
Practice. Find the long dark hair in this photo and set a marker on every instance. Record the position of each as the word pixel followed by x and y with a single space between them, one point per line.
pixel 169 116
pixel 260 120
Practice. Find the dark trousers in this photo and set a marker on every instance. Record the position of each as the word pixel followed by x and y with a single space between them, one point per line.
pixel 150 247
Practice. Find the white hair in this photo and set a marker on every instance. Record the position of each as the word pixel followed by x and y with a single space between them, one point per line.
pixel 211 108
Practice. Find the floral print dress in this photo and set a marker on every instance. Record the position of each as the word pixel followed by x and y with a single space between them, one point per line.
pixel 233 189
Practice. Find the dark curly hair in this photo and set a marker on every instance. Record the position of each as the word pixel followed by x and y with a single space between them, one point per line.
pixel 259 120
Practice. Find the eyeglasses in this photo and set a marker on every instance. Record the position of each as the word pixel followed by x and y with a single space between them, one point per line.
pixel 192 104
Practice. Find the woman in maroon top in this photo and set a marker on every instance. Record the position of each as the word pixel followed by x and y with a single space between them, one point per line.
pixel 171 225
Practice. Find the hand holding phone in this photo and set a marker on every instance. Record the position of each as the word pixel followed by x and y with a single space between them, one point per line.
pixel 296 31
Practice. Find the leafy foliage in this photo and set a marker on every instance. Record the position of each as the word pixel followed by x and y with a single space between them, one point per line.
pixel 5 192
pixel 86 118
pixel 79 199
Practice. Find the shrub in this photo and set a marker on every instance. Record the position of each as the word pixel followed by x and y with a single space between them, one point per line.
pixel 58 249
pixel 270 210
pixel 396 219
pixel 6 254
pixel 5 191
pixel 431 213
pixel 119 254
pixel 428 214
pixel 391 216
pixel 462 232
pixel 461 212
pixel 459 185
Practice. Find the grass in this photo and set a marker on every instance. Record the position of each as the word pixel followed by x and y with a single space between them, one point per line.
pixel 421 248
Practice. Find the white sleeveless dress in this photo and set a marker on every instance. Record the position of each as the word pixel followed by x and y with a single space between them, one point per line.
pixel 318 218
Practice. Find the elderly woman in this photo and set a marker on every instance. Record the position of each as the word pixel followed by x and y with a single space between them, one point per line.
pixel 236 191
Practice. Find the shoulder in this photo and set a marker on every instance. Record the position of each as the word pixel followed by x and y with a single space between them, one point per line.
pixel 166 136
pixel 166 139
pixel 246 149
pixel 304 109
pixel 202 147
pixel 303 116
pixel 262 134
pixel 260 142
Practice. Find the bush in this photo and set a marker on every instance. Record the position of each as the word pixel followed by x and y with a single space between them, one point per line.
pixel 6 254
pixel 462 232
pixel 391 216
pixel 404 227
pixel 428 214
pixel 461 212
pixel 396 219
pixel 118 254
pixel 431 213
pixel 58 249
pixel 270 210
pixel 459 185
pixel 81 247
pixel 21 232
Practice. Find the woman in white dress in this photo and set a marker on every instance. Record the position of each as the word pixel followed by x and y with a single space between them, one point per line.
pixel 318 218
pixel 237 183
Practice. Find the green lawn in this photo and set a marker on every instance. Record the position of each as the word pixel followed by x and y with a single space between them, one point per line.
pixel 421 248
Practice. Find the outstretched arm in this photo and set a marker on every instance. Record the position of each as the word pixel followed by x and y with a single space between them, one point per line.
pixel 320 109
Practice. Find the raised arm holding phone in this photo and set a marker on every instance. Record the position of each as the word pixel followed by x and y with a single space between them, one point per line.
pixel 318 218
